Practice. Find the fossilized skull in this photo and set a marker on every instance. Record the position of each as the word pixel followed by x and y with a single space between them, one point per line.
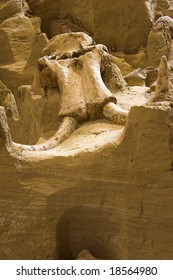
pixel 83 72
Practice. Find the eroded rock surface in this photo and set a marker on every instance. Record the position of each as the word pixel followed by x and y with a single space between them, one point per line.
pixel 128 211
pixel 159 40
pixel 22 45
pixel 105 191
pixel 128 36
pixel 78 67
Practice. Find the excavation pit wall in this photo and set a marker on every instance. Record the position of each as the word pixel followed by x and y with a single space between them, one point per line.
pixel 114 200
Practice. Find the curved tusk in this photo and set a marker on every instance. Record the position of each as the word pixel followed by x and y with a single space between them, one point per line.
pixel 68 125
pixel 114 113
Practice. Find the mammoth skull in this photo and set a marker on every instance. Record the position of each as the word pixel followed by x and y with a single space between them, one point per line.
pixel 79 68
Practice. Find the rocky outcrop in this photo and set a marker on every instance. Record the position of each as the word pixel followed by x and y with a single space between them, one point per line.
pixel 81 196
pixel 45 9
pixel 7 100
pixel 159 40
pixel 162 86
pixel 164 8
pixel 76 65
pixel 121 32
pixel 22 47
pixel 104 192
pixel 85 255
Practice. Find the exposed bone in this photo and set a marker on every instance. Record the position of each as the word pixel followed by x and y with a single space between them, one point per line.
pixel 114 113
pixel 165 23
pixel 83 92
pixel 7 100
pixel 76 67
pixel 63 43
pixel 65 130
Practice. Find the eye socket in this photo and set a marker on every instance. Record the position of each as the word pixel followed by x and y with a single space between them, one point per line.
pixel 41 66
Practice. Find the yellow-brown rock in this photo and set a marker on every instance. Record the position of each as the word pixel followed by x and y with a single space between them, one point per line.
pixel 122 32
pixel 105 191
pixel 83 197
pixel 159 40
pixel 22 45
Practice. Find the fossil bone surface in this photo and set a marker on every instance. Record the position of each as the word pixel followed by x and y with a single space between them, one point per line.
pixel 85 182
pixel 76 65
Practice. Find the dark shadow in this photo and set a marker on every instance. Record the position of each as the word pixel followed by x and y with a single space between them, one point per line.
pixel 85 228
